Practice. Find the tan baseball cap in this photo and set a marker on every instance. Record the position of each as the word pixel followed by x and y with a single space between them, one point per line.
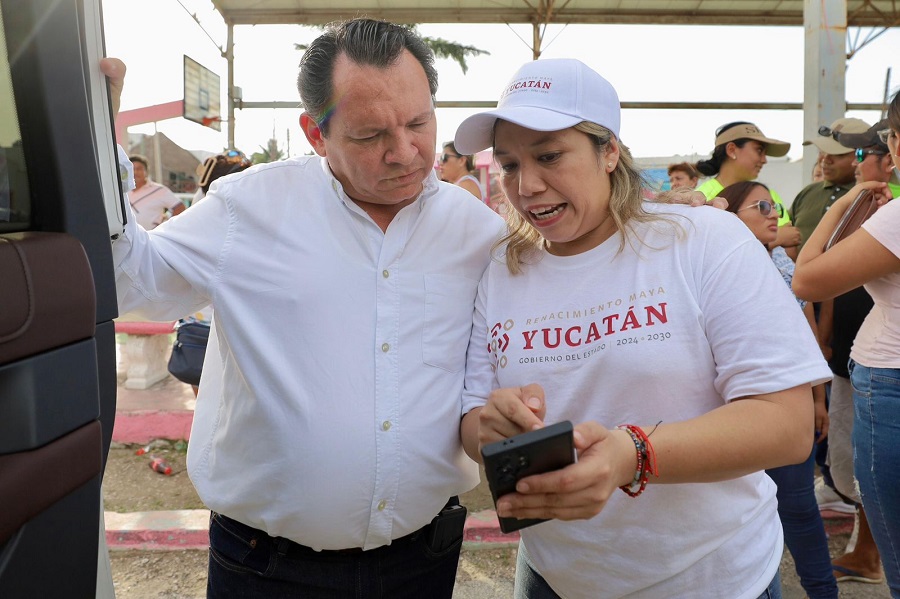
pixel 774 147
pixel 826 142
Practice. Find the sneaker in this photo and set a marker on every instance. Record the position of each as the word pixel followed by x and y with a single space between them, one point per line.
pixel 828 499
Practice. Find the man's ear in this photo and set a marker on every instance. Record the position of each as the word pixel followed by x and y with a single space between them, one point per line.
pixel 313 133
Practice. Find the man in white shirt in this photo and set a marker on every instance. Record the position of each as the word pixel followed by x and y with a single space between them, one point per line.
pixel 326 434
pixel 150 200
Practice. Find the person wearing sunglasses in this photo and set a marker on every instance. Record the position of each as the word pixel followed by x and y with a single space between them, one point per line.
pixel 458 169
pixel 871 257
pixel 804 531
pixel 873 157
pixel 739 155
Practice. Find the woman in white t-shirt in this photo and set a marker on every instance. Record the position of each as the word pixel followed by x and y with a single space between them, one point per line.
pixel 870 256
pixel 605 310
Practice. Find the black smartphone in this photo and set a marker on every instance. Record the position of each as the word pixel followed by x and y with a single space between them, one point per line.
pixel 535 452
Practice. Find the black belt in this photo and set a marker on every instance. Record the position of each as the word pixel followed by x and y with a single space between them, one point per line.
pixel 287 546
pixel 395 543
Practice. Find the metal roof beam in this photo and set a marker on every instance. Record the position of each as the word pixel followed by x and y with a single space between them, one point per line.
pixel 244 105
pixel 569 15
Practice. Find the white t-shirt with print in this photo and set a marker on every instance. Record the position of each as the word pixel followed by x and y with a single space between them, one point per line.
pixel 642 336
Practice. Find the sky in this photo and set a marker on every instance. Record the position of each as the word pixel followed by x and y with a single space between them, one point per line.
pixel 643 62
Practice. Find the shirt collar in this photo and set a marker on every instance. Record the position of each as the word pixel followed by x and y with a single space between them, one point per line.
pixel 829 185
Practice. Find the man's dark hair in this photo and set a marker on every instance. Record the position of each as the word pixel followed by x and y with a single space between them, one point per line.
pixel 365 42
pixel 686 168
pixel 140 158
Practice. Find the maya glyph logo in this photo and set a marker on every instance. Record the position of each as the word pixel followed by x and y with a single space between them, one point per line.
pixel 499 343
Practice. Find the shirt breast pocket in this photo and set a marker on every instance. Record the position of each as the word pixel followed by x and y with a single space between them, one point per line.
pixel 449 303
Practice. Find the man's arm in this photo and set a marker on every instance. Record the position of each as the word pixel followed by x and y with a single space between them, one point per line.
pixel 173 204
pixel 796 207
pixel 468 432
pixel 788 236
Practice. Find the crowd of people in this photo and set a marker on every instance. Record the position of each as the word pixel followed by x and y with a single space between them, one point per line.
pixel 851 152
pixel 375 327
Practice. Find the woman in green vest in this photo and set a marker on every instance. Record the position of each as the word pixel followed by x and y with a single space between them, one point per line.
pixel 740 153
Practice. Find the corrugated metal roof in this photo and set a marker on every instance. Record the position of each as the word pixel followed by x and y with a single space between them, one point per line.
pixel 860 13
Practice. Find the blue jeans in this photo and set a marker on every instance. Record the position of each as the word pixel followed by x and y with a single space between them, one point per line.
pixel 876 459
pixel 804 531
pixel 531 585
pixel 247 563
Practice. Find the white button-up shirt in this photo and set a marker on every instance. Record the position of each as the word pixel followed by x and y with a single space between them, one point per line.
pixel 331 396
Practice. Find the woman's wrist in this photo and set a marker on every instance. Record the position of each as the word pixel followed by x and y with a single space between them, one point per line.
pixel 645 458
pixel 627 463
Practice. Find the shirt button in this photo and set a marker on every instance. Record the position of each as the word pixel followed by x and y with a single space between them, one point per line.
pixel 385 347
pixel 386 425
pixel 385 273
pixel 381 505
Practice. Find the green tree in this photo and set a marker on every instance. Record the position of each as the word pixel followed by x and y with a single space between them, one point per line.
pixel 268 153
pixel 441 48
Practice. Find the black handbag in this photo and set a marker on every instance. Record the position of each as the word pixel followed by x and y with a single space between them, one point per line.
pixel 188 351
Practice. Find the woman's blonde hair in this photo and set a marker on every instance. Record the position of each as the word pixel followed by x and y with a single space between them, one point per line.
pixel 625 202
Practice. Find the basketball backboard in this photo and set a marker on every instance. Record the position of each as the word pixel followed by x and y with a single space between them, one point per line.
pixel 201 95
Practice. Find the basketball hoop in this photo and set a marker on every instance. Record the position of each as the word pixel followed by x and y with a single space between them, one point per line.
pixel 209 120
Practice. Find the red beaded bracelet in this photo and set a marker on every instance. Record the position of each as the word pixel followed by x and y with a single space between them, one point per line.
pixel 646 460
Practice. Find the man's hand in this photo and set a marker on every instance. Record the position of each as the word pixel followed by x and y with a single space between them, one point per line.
pixel 690 197
pixel 114 69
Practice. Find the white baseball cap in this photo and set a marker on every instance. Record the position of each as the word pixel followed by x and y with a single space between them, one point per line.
pixel 545 95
